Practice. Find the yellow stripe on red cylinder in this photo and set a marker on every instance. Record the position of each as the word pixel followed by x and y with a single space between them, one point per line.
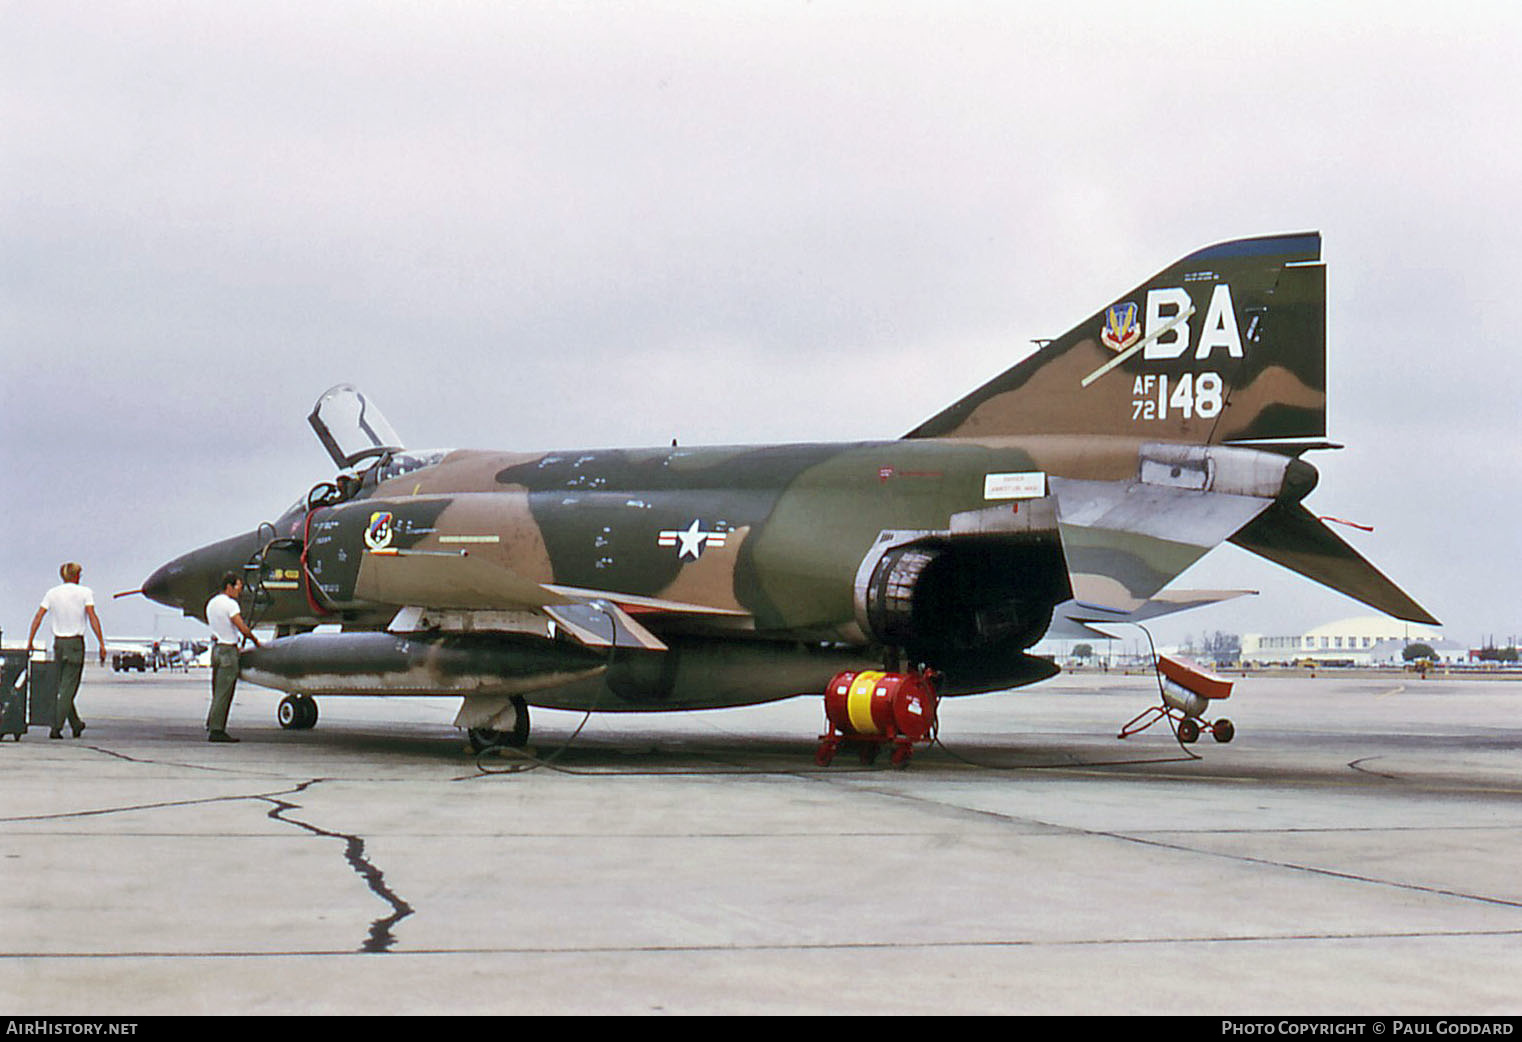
pixel 873 703
pixel 859 702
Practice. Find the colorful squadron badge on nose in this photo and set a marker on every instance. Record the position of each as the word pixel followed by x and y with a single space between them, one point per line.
pixel 378 534
pixel 1121 329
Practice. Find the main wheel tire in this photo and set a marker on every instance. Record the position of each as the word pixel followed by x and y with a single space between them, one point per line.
pixel 519 738
pixel 482 738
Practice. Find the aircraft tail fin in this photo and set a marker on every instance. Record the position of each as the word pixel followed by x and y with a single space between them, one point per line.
pixel 1227 344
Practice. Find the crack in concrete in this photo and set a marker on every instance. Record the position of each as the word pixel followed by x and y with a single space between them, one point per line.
pixel 381 937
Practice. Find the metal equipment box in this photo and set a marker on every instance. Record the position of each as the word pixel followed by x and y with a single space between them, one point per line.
pixel 42 701
pixel 13 693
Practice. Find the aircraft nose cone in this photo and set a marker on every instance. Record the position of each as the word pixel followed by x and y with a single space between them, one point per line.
pixel 178 584
pixel 160 585
pixel 189 581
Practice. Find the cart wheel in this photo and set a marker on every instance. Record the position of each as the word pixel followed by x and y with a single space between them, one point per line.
pixel 1188 731
pixel 901 754
pixel 824 754
pixel 1223 731
pixel 868 753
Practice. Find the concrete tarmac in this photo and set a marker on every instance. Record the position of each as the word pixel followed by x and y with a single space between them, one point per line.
pixel 1353 851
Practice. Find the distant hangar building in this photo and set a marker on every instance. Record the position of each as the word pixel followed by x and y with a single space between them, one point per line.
pixel 1371 640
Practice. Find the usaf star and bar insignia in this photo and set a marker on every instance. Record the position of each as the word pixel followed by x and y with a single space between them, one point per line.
pixel 692 540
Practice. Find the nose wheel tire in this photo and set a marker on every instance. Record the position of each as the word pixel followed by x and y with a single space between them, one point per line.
pixel 297 713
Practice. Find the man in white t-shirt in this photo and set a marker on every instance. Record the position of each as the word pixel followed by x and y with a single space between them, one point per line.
pixel 225 618
pixel 71 606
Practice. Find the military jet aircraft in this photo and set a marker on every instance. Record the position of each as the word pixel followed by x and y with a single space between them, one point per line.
pixel 1069 491
pixel 145 653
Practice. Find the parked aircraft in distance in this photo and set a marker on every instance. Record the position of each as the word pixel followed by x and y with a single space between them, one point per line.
pixel 1068 491
pixel 152 653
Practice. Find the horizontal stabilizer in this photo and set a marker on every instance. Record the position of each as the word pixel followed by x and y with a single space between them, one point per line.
pixel 1289 535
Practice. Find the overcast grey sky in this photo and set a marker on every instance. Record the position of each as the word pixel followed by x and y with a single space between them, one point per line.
pixel 536 225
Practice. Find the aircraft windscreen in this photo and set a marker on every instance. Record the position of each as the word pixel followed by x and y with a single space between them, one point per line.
pixel 351 427
pixel 406 462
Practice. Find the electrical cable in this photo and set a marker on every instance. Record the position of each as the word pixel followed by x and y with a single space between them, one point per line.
pixel 1162 691
pixel 535 762
pixel 1189 753
pixel 530 762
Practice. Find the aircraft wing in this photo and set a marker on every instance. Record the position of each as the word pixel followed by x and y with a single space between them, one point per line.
pixel 1125 542
pixel 1073 621
pixel 479 594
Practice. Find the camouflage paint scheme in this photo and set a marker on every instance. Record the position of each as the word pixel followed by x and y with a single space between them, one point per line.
pixel 1080 482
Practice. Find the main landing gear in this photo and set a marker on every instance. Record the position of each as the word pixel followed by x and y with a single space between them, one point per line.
pixel 297 712
pixel 483 738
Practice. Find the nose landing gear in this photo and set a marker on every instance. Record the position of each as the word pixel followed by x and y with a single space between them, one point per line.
pixel 297 712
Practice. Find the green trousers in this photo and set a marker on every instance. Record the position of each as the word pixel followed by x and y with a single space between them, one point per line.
pixel 70 653
pixel 224 681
